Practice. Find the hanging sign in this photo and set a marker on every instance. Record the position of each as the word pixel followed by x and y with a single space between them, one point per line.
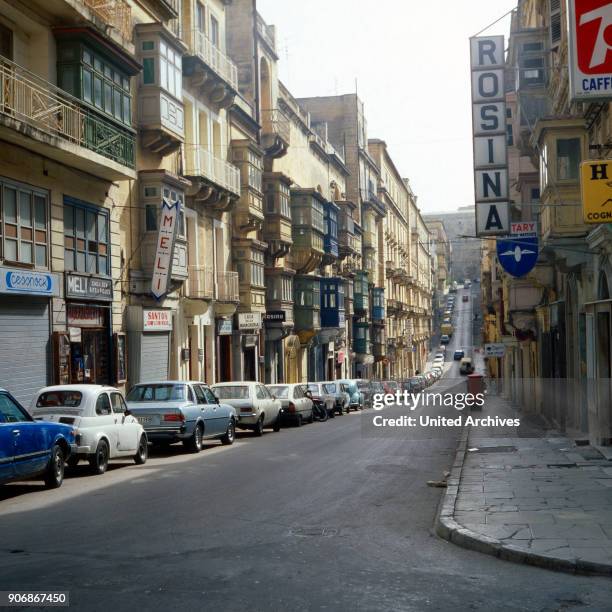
pixel 518 253
pixel 165 246
pixel 489 133
pixel 596 186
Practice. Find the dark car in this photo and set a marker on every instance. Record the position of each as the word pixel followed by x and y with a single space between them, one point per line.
pixel 30 448
pixel 458 354
pixel 367 391
pixel 417 383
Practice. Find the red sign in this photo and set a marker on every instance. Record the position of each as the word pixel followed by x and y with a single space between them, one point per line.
pixel 84 316
pixel 157 320
pixel 593 23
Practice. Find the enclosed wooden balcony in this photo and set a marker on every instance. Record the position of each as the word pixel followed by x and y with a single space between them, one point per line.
pixel 361 293
pixel 40 117
pixel 332 303
pixel 308 229
pixel 210 70
pixel 307 306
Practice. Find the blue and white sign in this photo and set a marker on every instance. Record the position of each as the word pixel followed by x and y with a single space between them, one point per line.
pixel 518 253
pixel 28 282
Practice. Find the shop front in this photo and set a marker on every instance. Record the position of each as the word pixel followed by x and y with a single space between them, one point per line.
pixel 25 329
pixel 149 340
pixel 246 346
pixel 83 353
pixel 224 327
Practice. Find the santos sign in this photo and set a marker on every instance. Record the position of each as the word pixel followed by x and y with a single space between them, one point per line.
pixel 590 46
pixel 489 129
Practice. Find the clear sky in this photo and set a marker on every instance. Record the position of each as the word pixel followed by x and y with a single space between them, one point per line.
pixel 410 60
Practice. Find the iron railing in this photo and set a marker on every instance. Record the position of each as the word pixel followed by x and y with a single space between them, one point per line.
pixel 26 97
pixel 116 13
pixel 201 283
pixel 206 50
pixel 228 286
pixel 201 162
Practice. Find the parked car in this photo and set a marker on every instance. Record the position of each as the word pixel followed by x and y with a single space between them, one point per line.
pixel 297 408
pixel 322 397
pixel 466 366
pixel 105 428
pixel 405 385
pixel 441 350
pixel 465 298
pixel 355 396
pixel 458 354
pixel 390 386
pixel 444 338
pixel 255 407
pixel 30 448
pixel 366 389
pixel 341 396
pixel 179 411
pixel 418 384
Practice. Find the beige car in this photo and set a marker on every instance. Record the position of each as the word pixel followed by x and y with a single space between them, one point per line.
pixel 297 408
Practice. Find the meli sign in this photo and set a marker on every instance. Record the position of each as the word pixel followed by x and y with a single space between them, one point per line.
pixel 489 132
pixel 165 247
pixel 590 49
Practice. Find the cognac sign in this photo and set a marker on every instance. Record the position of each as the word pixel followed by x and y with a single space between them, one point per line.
pixel 590 47
pixel 489 131
pixel 165 248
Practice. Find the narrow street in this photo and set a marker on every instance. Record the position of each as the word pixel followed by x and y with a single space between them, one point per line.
pixel 307 519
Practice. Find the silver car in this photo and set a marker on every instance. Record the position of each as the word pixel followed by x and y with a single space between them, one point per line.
pixel 297 408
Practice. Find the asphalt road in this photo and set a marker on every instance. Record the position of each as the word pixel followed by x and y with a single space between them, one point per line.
pixel 326 517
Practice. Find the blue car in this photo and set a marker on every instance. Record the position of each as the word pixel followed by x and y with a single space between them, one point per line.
pixel 31 448
pixel 355 395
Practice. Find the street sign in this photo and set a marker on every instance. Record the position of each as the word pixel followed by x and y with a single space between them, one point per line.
pixel 489 132
pixel 596 188
pixel 518 253
pixel 590 49
pixel 165 248
pixel 249 320
pixel 494 350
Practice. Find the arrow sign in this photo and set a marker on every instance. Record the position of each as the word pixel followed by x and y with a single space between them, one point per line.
pixel 518 254
pixel 165 248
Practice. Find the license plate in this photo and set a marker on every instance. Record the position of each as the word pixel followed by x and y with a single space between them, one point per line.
pixel 145 420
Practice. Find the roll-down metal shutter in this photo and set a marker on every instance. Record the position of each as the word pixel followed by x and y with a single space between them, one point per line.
pixel 154 356
pixel 25 346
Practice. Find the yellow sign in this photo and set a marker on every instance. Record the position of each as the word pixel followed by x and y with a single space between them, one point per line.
pixel 596 186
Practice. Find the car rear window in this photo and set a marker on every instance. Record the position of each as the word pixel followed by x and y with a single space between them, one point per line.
pixel 280 392
pixel 232 392
pixel 313 388
pixel 362 384
pixel 52 399
pixel 157 393
pixel 329 388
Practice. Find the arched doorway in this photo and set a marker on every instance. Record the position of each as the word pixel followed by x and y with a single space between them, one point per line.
pixel 265 89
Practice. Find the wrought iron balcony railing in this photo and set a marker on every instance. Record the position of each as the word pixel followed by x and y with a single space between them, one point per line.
pixel 228 286
pixel 116 13
pixel 200 283
pixel 206 50
pixel 26 97
pixel 201 162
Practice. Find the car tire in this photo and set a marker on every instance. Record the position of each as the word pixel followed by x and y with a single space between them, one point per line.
pixel 230 434
pixel 194 443
pixel 277 424
pixel 348 408
pixel 298 420
pixel 73 461
pixel 311 419
pixel 258 429
pixel 98 462
pixel 142 452
pixel 331 413
pixel 54 474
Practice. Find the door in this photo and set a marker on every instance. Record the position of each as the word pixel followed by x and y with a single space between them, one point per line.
pixel 25 347
pixel 105 422
pixel 206 412
pixel 250 371
pixel 127 429
pixel 154 356
pixel 7 438
pixel 219 417
pixel 269 404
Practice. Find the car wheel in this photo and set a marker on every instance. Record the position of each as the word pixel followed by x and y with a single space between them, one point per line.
pixel 54 476
pixel 230 435
pixel 331 413
pixel 348 408
pixel 258 429
pixel 277 424
pixel 142 453
pixel 311 419
pixel 73 461
pixel 194 443
pixel 99 461
pixel 298 420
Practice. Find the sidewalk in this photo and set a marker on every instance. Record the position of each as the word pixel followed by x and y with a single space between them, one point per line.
pixel 529 495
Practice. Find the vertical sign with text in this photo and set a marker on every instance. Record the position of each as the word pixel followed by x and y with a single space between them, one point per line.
pixel 165 248
pixel 489 132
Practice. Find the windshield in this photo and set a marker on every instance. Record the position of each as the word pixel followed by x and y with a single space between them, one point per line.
pixel 313 388
pixel 68 399
pixel 163 392
pixel 280 391
pixel 232 392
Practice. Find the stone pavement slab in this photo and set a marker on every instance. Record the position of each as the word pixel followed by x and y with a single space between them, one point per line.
pixel 530 495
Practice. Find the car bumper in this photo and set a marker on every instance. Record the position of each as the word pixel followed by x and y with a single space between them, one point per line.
pixel 247 419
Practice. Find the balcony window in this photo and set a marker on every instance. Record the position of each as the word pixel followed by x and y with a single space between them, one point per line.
pixel 277 199
pixel 280 288
pixel 162 66
pixel 152 207
pixel 255 171
pixel 568 158
pixel 86 239
pixel 307 293
pixel 92 78
pixel 308 211
pixel 23 225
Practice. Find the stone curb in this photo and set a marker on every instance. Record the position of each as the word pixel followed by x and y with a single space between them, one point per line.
pixel 447 528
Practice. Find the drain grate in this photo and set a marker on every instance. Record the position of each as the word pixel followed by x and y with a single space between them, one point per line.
pixel 313 532
pixel 496 449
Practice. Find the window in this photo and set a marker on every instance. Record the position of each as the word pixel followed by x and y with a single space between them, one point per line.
pixel 10 411
pixel 152 207
pixel 70 399
pixel 214 31
pixel 118 403
pixel 260 392
pixel 86 239
pixel 535 194
pixel 6 42
pixel 200 17
pixel 209 396
pixel 23 224
pixel 103 405
pixel 509 135
pixel 232 392
pixel 555 23
pixel 568 158
pixel 162 392
pixel 199 394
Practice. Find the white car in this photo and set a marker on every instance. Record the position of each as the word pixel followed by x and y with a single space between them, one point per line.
pixel 105 428
pixel 255 406
pixel 297 408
